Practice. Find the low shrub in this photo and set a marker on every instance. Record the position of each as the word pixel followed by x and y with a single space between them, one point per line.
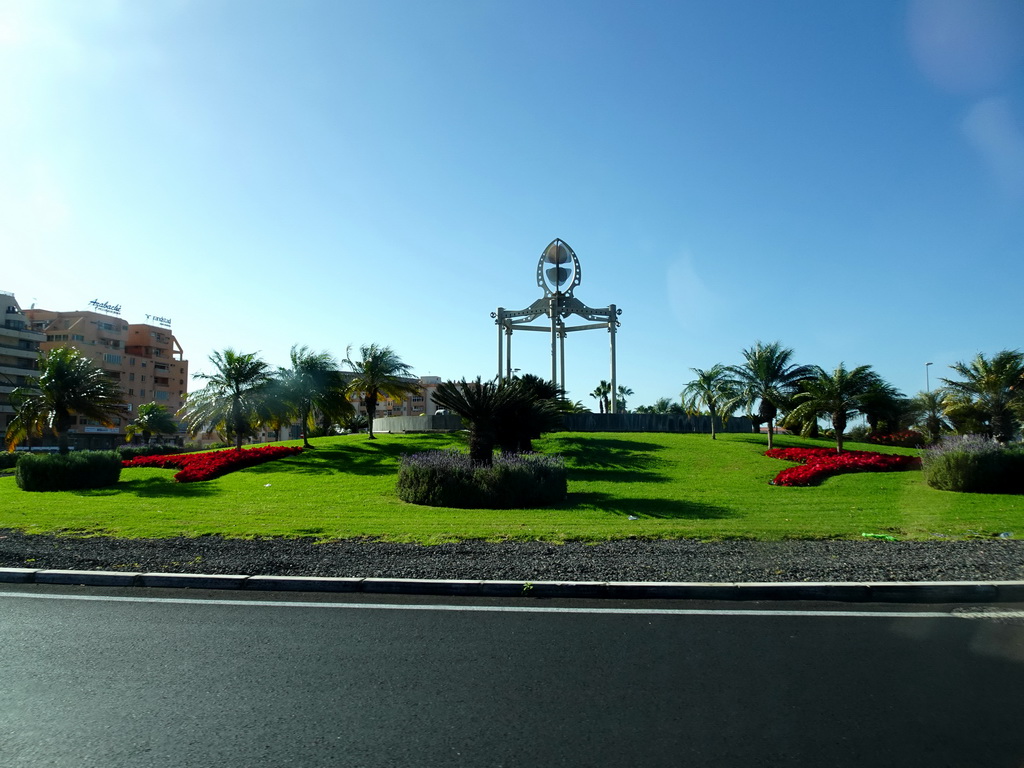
pixel 450 479
pixel 68 472
pixel 127 452
pixel 974 464
pixel 8 460
pixel 908 438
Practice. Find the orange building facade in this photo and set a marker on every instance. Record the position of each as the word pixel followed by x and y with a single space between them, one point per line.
pixel 146 360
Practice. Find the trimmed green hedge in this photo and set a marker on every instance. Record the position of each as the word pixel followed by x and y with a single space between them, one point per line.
pixel 9 460
pixel 449 479
pixel 129 452
pixel 72 471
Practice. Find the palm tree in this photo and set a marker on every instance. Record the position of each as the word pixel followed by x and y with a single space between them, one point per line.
pixel 234 399
pixel 530 406
pixel 479 403
pixel 620 399
pixel 69 385
pixel 313 387
pixel 884 404
pixel 378 371
pixel 28 421
pixel 509 413
pixel 994 387
pixel 662 405
pixel 713 389
pixel 838 396
pixel 601 393
pixel 152 419
pixel 768 379
pixel 927 410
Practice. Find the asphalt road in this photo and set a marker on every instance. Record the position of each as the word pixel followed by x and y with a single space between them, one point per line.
pixel 111 678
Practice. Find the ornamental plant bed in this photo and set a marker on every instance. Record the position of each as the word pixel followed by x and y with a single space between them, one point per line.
pixel 211 464
pixel 819 463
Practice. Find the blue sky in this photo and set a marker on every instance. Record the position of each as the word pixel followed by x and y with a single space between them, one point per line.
pixel 847 178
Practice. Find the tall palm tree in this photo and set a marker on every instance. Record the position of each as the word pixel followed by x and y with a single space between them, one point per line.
pixel 620 398
pixel 151 419
pixel 601 394
pixel 995 387
pixel 234 399
pixel 69 385
pixel 883 403
pixel 838 396
pixel 768 378
pixel 312 387
pixel 714 389
pixel 928 413
pixel 378 371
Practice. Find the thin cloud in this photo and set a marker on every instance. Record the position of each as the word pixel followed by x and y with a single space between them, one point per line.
pixel 993 131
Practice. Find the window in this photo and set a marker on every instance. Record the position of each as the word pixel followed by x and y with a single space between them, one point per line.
pixel 131 377
pixel 160 394
pixel 77 337
pixel 112 359
pixel 142 378
pixel 142 393
pixel 131 361
pixel 131 391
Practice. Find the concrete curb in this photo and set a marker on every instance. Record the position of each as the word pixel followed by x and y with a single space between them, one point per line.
pixel 873 592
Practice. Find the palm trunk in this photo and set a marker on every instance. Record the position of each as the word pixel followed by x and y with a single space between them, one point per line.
pixel 839 425
pixel 370 401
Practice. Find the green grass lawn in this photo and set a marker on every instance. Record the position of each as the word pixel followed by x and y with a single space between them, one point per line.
pixel 677 485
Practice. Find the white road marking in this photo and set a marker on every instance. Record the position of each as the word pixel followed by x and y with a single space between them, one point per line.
pixel 956 614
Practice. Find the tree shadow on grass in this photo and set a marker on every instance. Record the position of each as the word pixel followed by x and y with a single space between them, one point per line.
pixel 610 475
pixel 611 460
pixel 367 457
pixel 661 509
pixel 152 487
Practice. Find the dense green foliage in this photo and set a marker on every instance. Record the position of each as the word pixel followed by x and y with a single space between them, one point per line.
pixel 989 396
pixel 67 472
pixel 452 479
pixel 974 464
pixel 8 460
pixel 510 413
pixel 128 452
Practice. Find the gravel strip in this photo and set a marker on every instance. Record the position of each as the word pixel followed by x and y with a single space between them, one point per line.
pixel 628 560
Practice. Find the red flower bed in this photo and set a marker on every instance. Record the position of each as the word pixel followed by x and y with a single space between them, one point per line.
pixel 206 466
pixel 819 463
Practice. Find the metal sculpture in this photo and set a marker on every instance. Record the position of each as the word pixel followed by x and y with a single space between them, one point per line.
pixel 558 274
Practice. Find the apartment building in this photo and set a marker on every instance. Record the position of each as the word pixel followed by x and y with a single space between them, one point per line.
pixel 145 359
pixel 19 352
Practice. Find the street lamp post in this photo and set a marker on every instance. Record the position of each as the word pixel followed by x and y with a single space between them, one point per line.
pixel 927 380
